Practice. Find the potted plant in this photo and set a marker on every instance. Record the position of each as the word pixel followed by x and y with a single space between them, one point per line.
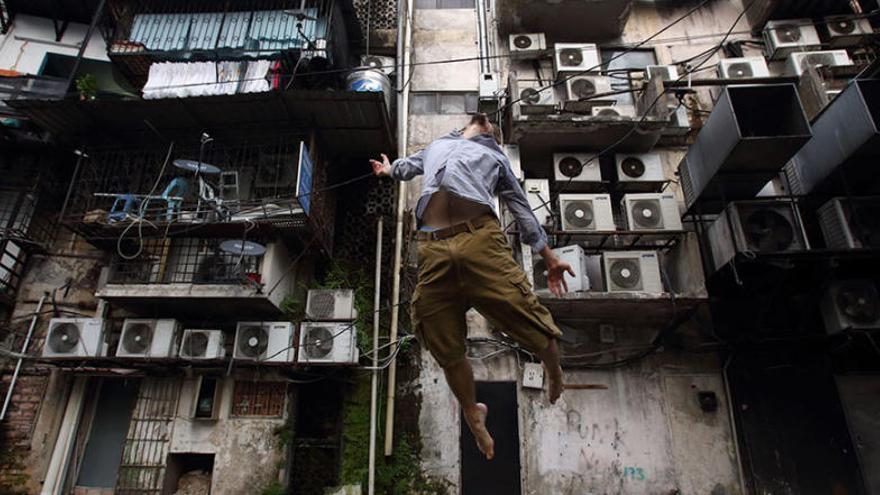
pixel 87 85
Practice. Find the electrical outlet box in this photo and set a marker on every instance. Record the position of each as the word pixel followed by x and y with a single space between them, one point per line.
pixel 606 333
pixel 533 376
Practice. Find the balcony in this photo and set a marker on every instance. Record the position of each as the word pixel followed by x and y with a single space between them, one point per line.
pixel 29 88
pixel 255 188
pixel 178 276
pixel 144 32
pixel 565 19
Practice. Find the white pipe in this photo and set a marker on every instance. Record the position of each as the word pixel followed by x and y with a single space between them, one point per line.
pixel 24 347
pixel 57 472
pixel 374 379
pixel 402 136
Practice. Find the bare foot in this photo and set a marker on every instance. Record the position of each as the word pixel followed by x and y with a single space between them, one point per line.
pixel 476 420
pixel 555 385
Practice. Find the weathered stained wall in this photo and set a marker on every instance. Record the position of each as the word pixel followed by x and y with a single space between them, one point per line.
pixel 24 47
pixel 445 34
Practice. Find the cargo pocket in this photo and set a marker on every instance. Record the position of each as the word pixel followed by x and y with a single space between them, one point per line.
pixel 539 314
pixel 520 281
pixel 415 321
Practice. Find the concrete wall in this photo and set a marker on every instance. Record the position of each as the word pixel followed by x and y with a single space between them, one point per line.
pixel 247 454
pixel 25 45
pixel 445 34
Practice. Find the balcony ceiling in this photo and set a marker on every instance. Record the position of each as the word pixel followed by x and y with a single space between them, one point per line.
pixel 565 20
pixel 348 124
pixel 75 11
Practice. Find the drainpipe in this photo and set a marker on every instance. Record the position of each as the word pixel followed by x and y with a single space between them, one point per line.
pixel 483 37
pixel 24 347
pixel 374 379
pixel 405 18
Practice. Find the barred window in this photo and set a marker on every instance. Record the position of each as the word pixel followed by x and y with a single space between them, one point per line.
pixel 258 399
pixel 426 103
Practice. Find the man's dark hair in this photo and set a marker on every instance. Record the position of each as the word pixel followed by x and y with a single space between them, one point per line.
pixel 482 120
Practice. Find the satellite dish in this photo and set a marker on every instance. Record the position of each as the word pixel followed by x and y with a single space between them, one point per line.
pixel 195 166
pixel 242 248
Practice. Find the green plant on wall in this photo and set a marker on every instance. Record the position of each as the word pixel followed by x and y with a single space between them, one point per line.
pixel 87 85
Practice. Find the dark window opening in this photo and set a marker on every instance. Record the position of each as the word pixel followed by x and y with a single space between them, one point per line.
pixel 188 473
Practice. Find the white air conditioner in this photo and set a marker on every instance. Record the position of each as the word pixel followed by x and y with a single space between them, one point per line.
pixel 328 343
pixel 635 169
pixel 533 98
pixel 850 224
pixel 851 305
pixel 512 152
pixel 847 31
pixel 632 271
pixel 586 212
pixel 584 88
pixel 756 226
pixel 587 270
pixel 614 112
pixel 75 337
pixel 527 45
pixel 264 341
pixel 489 87
pixel 379 62
pixel 652 212
pixel 148 338
pixel 661 72
pixel 571 58
pixel 799 61
pixel 743 68
pixel 679 121
pixel 331 304
pixel 784 37
pixel 576 167
pixel 199 344
pixel 538 193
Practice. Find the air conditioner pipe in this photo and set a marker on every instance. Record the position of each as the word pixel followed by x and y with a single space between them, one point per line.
pixel 24 347
pixel 402 136
pixel 483 36
pixel 374 378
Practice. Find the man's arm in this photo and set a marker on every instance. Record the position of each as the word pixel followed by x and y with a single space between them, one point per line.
pixel 531 231
pixel 402 168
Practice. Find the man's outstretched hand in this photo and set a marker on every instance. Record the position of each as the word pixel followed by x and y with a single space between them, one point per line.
pixel 556 270
pixel 383 168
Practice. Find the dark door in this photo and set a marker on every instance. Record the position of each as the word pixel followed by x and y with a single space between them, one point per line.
pixel 500 476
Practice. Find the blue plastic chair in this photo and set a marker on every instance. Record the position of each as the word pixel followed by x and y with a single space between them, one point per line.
pixel 122 206
pixel 177 188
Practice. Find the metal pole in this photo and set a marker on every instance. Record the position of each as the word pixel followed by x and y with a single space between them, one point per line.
pixel 80 154
pixel 402 111
pixel 374 379
pixel 27 341
pixel 85 44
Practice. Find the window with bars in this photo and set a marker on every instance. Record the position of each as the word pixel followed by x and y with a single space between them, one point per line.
pixel 262 399
pixel 426 103
pixel 445 4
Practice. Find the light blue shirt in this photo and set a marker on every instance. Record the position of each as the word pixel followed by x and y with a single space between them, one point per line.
pixel 474 169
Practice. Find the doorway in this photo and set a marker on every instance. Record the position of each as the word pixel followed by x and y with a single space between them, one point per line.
pixel 501 476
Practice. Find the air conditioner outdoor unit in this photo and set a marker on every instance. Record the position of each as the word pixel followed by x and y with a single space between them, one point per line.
pixel 850 224
pixel 512 152
pixel 798 61
pixel 264 341
pixel 640 170
pixel 586 212
pixel 784 37
pixel 615 112
pixel 587 270
pixel 756 226
pixel 743 68
pixel 379 62
pixel 576 167
pixel 330 305
pixel 328 343
pixel 632 271
pixel 584 88
pixel 571 58
pixel 199 344
pixel 148 338
pixel 661 72
pixel 851 305
pixel 652 212
pixel 75 337
pixel 534 98
pixel 846 31
pixel 527 45
pixel 538 193
pixel 679 121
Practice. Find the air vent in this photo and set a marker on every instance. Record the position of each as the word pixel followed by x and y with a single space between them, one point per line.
pixel 652 212
pixel 527 45
pixel 743 68
pixel 328 343
pixel 587 270
pixel 586 212
pixel 845 32
pixel 329 305
pixel 265 342
pixel 632 271
pixel 202 344
pixel 148 338
pixel 576 167
pixel 784 37
pixel 798 62
pixel 851 305
pixel 576 57
pixel 850 224
pixel 640 172
pixel 75 337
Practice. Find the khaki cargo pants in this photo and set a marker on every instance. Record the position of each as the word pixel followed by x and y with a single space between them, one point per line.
pixel 475 269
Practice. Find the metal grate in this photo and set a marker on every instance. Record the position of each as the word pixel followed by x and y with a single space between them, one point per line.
pixel 186 260
pixel 259 398
pixel 142 470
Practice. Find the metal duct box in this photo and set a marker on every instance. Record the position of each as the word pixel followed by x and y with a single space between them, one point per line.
pixel 846 134
pixel 752 132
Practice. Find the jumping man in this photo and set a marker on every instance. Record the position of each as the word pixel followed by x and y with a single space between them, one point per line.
pixel 465 260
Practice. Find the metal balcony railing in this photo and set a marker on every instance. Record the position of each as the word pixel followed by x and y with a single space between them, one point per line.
pixel 186 261
pixel 29 88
